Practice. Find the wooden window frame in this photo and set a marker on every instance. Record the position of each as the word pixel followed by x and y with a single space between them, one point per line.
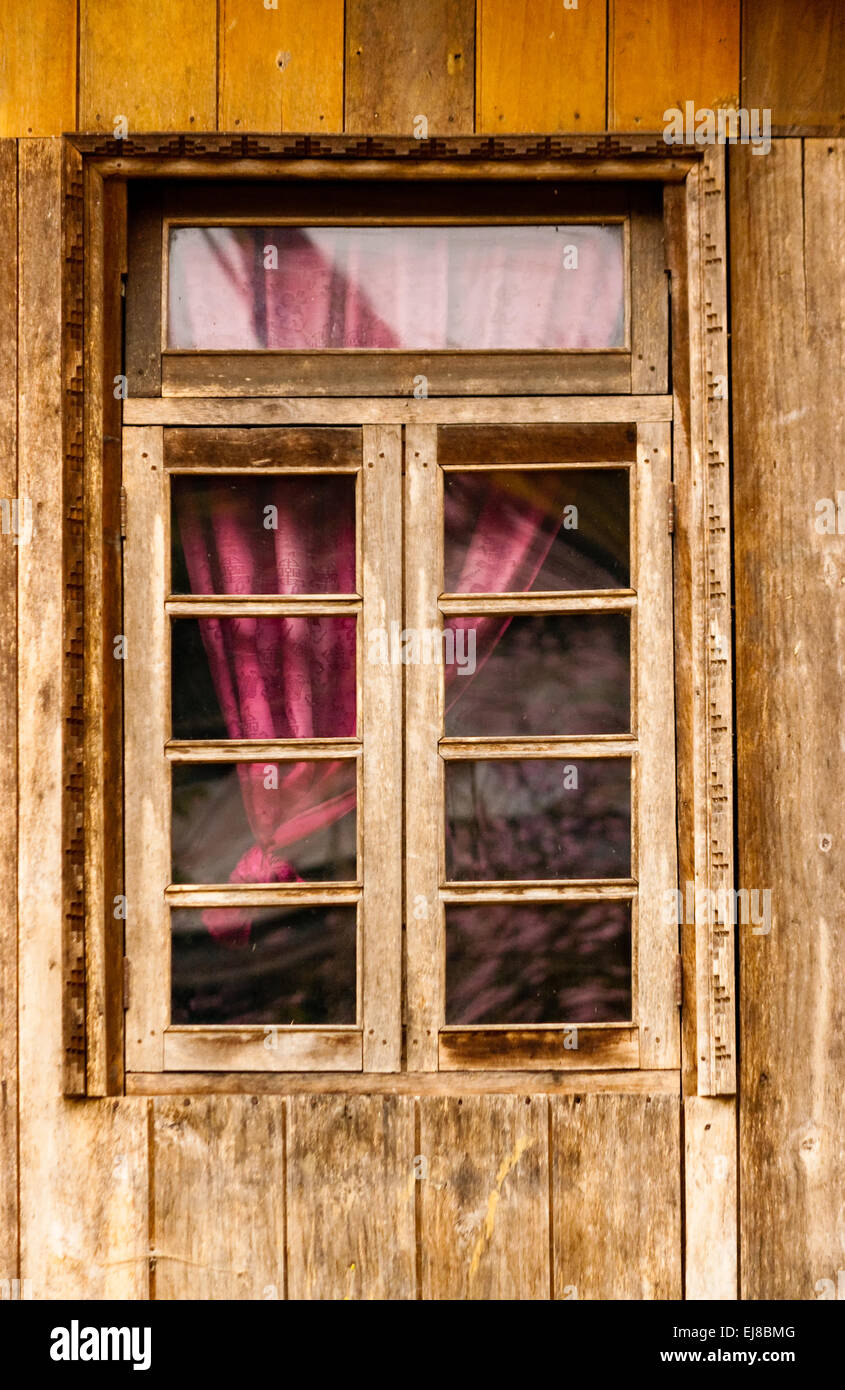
pixel 153 368
pixel 151 457
pixel 650 1038
pixel 96 173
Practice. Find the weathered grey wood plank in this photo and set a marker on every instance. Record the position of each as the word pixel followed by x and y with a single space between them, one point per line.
pixel 484 1197
pixel 350 1197
pixel 787 219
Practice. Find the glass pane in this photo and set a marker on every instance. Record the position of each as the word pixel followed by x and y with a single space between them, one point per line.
pixel 423 288
pixel 512 532
pixel 263 535
pixel 273 965
pixel 540 675
pixel 536 818
pixel 263 677
pixel 538 963
pixel 264 822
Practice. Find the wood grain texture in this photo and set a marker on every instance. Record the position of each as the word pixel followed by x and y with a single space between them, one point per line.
pixel 529 1049
pixel 381 772
pixel 345 372
pixel 404 60
pixel 540 66
pixel 8 716
pixel 366 410
pixel 655 848
pixel 484 1197
pixel 669 52
pixel 146 560
pixel 404 1083
pixel 83 1193
pixel 217 1224
pixel 616 1197
pixel 155 64
pixel 710 1198
pixel 281 69
pixel 102 674
pixel 350 1197
pixel 425 933
pixel 787 215
pixel 795 65
pixel 37 67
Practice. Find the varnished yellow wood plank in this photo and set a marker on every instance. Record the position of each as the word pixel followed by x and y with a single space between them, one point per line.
pixel 540 65
pixel 281 69
pixel 37 67
pixel 668 52
pixel 154 64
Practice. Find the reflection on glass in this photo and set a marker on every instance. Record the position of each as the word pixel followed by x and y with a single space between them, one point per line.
pixel 538 963
pixel 263 677
pixel 538 675
pixel 425 288
pixel 295 965
pixel 517 531
pixel 278 534
pixel 263 822
pixel 528 818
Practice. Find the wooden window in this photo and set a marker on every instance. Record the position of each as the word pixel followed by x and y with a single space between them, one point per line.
pixel 378 920
pixel 323 291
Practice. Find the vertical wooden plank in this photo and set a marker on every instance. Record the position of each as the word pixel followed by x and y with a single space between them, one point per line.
pixel 218 1221
pixel 616 1166
pixel 710 1198
pixel 669 52
pixel 484 1197
pixel 788 310
pixel 83 1178
pixel 147 723
pixel 656 845
pixel 795 68
pixel 382 757
pixel 9 544
pixel 404 61
pixel 541 66
pixel 281 69
pixel 350 1197
pixel 704 569
pixel 37 67
pixel 424 917
pixel 153 64
pixel 649 298
pixel 105 224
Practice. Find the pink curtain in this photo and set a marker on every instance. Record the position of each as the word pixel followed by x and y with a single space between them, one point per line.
pixel 424 288
pixel 274 678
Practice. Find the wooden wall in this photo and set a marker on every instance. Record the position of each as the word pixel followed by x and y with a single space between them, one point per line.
pixel 114 1194
pixel 788 311
pixel 376 65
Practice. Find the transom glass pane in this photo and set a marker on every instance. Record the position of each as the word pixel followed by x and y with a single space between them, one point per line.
pixel 414 287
